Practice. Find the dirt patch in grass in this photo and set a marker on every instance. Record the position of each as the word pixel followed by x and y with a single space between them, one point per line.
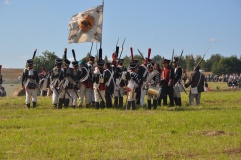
pixel 215 133
pixel 233 151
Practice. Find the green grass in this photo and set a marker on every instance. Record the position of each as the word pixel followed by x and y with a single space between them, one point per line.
pixel 210 131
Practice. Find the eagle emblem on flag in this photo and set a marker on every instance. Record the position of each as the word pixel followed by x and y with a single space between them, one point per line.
pixel 86 26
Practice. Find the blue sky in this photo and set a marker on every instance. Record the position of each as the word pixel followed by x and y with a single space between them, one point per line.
pixel 162 25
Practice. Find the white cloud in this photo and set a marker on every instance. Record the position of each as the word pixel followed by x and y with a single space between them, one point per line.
pixel 6 1
pixel 213 40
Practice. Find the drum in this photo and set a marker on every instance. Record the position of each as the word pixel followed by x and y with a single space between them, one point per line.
pixel 154 91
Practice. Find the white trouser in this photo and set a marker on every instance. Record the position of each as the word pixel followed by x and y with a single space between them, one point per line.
pixel 74 97
pixel 118 92
pixel 97 95
pixel 176 92
pixel 65 93
pixel 84 92
pixel 143 93
pixel 31 93
pixel 55 96
pixel 197 97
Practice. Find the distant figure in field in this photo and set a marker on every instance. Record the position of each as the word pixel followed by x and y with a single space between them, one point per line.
pixel 19 78
pixel 2 89
pixel 196 80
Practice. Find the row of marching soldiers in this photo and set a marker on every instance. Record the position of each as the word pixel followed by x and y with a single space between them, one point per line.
pixel 97 83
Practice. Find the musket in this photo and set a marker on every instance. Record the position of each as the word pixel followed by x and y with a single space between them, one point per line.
pixel 100 95
pixel 117 49
pixel 34 53
pixel 141 54
pixel 122 48
pixel 172 57
pixel 68 94
pixel 180 57
pixel 76 92
pixel 201 59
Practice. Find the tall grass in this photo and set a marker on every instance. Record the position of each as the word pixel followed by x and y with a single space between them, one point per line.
pixel 210 131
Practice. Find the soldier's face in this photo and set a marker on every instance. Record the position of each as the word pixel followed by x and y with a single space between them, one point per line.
pixel 150 69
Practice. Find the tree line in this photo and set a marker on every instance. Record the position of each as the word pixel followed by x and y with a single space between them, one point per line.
pixel 217 64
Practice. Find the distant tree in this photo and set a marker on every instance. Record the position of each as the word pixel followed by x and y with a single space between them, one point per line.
pixel 127 60
pixel 208 65
pixel 106 58
pixel 157 59
pixel 139 58
pixel 46 60
pixel 190 62
pixel 227 65
pixel 182 62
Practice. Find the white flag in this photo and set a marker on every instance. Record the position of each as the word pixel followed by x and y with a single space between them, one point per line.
pixel 86 26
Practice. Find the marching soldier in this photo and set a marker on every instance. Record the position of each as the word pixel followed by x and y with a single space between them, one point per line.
pixel 152 80
pixel 157 67
pixel 99 85
pixel 76 78
pixel 133 82
pixel 177 82
pixel 44 82
pixel 90 67
pixel 56 78
pixel 85 84
pixel 30 81
pixel 109 84
pixel 167 82
pixel 66 85
pixel 142 75
pixel 119 83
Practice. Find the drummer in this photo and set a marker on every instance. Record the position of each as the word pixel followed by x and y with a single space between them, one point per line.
pixel 152 80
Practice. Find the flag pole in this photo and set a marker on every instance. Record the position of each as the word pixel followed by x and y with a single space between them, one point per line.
pixel 102 23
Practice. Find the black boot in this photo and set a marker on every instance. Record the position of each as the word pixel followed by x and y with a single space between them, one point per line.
pixel 61 102
pixel 34 104
pixel 133 103
pixel 54 106
pixel 165 100
pixel 116 102
pixel 171 100
pixel 97 105
pixel 102 105
pixel 73 106
pixel 28 105
pixel 175 100
pixel 155 103
pixel 179 101
pixel 66 103
pixel 159 101
pixel 87 106
pixel 128 105
pixel 121 102
pixel 149 104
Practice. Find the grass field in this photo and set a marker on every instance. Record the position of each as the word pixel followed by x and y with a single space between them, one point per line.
pixel 210 131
